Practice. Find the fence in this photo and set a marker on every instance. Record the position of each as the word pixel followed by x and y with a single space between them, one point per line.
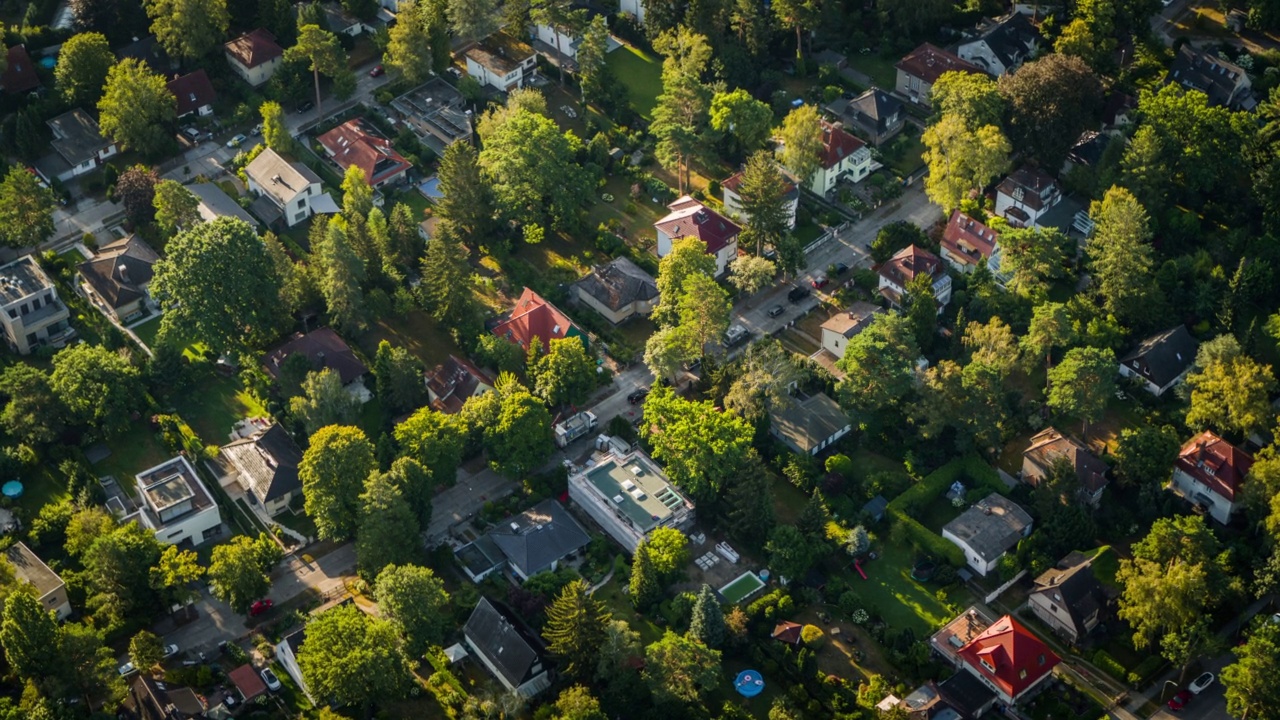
pixel 825 237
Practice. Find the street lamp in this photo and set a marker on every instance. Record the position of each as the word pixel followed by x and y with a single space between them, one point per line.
pixel 1167 683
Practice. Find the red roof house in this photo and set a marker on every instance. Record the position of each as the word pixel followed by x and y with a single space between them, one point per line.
pixel 1210 473
pixel 254 56
pixel 354 142
pixel 905 265
pixel 690 218
pixel 533 317
pixel 837 144
pixel 1008 659
pixel 246 679
pixel 921 68
pixel 788 632
pixel 194 93
pixel 844 156
pixel 967 243
pixel 20 73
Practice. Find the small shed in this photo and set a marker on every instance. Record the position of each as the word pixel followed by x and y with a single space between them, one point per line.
pixel 787 632
pixel 876 507
pixel 246 679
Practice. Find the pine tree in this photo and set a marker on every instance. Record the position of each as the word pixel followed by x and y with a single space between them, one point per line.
pixel 446 280
pixel 467 201
pixel 575 628
pixel 707 624
pixel 645 591
pixel 813 520
pixel 749 503
pixel 341 273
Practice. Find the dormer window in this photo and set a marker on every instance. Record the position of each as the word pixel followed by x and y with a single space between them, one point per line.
pixel 990 668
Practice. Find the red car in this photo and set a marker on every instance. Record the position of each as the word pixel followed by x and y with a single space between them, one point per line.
pixel 1180 700
pixel 820 281
pixel 260 607
pixel 376 71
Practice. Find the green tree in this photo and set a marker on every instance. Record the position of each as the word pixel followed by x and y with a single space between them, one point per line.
pixel 751 274
pixel 388 531
pixel 341 273
pixel 798 15
pixel 29 634
pixel 894 237
pixel 26 209
pixel 518 442
pixel 99 388
pixel 1250 681
pixel 921 310
pixel 474 19
pixel 566 375
pixel 668 349
pixel 700 446
pixel 962 159
pixel 84 527
pixel 801 138
pixel 597 79
pixel 879 365
pixel 688 257
pixel 467 201
pixel 446 280
pixel 749 505
pixel 188 29
pixel 324 401
pixel 136 107
pixel 33 412
pixel 532 170
pixel 176 208
pixel 409 51
pixel 575 629
pixel 357 196
pixel 680 670
pixel 1050 327
pixel 577 702
pixel 275 133
pixel 355 659
pixel 680 116
pixel 333 470
pixel 1051 101
pixel 175 575
pixel 323 54
pixel 791 552
pixel 82 68
pixel 748 121
pixel 145 651
pixel 1031 258
pixel 416 484
pixel 707 623
pixel 1121 257
pixel 435 440
pixel 1081 384
pixel 399 378
pixel 974 97
pixel 992 344
pixel 643 585
pixel 763 194
pixel 88 667
pixel 704 309
pixel 1229 390
pixel 669 551
pixel 238 570
pixel 1145 454
pixel 117 574
pixel 415 600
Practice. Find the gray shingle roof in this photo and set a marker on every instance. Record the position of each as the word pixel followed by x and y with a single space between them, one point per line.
pixel 1163 357
pixel 1225 83
pixel 1012 39
pixel 76 136
pixel 1074 588
pixel 992 526
pixel 501 638
pixel 538 537
pixel 805 424
pixel 120 270
pixel 619 284
pixel 268 461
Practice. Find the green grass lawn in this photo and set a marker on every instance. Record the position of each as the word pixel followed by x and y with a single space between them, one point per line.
pixel 620 605
pixel 215 405
pixel 880 69
pixel 417 332
pixel 909 157
pixel 1105 564
pixel 641 73
pixel 635 216
pixel 41 487
pixel 938 513
pixel 148 331
pixel 133 452
pixel 901 601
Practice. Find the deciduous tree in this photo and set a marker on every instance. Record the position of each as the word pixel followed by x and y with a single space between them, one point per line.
pixel 82 68
pixel 680 670
pixel 26 209
pixel 145 651
pixel 136 190
pixel 894 237
pixel 415 600
pixel 577 702
pixel 474 19
pixel 700 446
pixel 801 138
pixel 745 119
pixel 879 365
pixel 974 97
pixel 188 29
pixel 33 411
pixel 1229 390
pixel 176 208
pixel 750 274
pixel 566 375
pixel 409 51
pixel 29 634
pixel 435 440
pixel 704 309
pixel 175 575
pixel 797 15
pixel 532 170
pixel 1145 454
pixel 1050 327
pixel 99 388
pixel 1051 101
pixel 333 470
pixel 275 133
pixel 1081 384
pixel 962 159
pixel 324 401
pixel 355 659
pixel 688 257
pixel 669 551
pixel 1120 256
pixel 520 440
pixel 1250 681
pixel 136 107
pixel 388 532
pixel 238 570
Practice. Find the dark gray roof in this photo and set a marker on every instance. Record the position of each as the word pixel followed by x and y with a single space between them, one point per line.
pixel 619 284
pixel 1225 83
pixel 76 136
pixel 214 203
pixel 873 109
pixel 538 537
pixel 966 694
pixel 1089 148
pixel 295 639
pixel 804 425
pixel 28 566
pixel 481 556
pixel 268 461
pixel 1013 39
pixel 120 271
pixel 992 526
pixel 876 506
pixel 1162 358
pixel 510 646
pixel 1074 588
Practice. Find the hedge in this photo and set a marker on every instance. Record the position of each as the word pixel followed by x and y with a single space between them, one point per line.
pixel 1110 665
pixel 936 483
pixel 926 540
pixel 1146 670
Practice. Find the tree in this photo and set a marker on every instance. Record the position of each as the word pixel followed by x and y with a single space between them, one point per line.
pixel 29 634
pixel 416 601
pixel 688 257
pixel 1250 681
pixel 409 51
pixel 668 349
pixel 992 344
pixel 354 659
pixel 1120 255
pixel 388 531
pixel 700 446
pixel 84 527
pixel 176 208
pixel 801 138
pixel 575 628
pixel 745 119
pixel 1050 327
pixel 974 97
pixel 82 68
pixel 749 505
pixel 763 194
pixel 1031 257
pixel 704 309
pixel 1081 384
pixel 566 375
pixel 399 378
pixel 99 388
pixel 577 702
pixel 765 382
pixel 435 440
pixel 145 651
pixel 118 574
pixel 562 18
pixel 921 309
pixel 520 439
pixel 175 575
pixel 798 15
pixel 238 570
pixel 791 552
pixel 88 667
pixel 467 201
pixel 1051 101
pixel 33 413
pixel 26 209
pixel 1145 454
pixel 474 19
pixel 707 622
pixel 894 237
pixel 751 274
pixel 136 190
pixel 1229 390
pixel 323 54
pixel 212 282
pixel 594 74
pixel 669 551
pixel 324 401
pixel 532 170
pixel 136 107
pixel 879 365
pixel 680 670
pixel 188 29
pixel 333 471
pixel 680 116
pixel 275 133
pixel 962 159
pixel 446 279
pixel 341 273
pixel 645 591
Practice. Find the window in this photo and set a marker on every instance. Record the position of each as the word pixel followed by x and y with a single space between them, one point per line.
pixel 302 202
pixel 35 304
pixel 987 665
pixel 299 217
pixel 212 532
pixel 25 309
pixel 1022 674
pixel 13 314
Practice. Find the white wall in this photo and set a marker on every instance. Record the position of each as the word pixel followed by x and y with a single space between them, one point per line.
pixel 1220 508
pixel 972 558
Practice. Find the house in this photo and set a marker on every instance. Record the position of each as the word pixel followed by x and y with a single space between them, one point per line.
pixel 502 62
pixel 78 146
pixel 840 328
pixel 30 310
pixel 287 192
pixel 1069 599
pixel 809 426
pixel 1224 83
pixel 49 588
pixel 1025 196
pixel 117 278
pixel 1161 361
pixel 19 74
pixel 287 656
pixel 1209 473
pixel 690 218
pixel 507 648
pixel 634 8
pixel 214 203
pixel 453 382
pixel 325 349
pixel 962 629
pixel 921 68
pixel 194 94
pixel 1009 660
pixel 247 682
pixel 967 243
pixel 733 200
pixel 843 156
pixel 925 701
pixel 357 143
pixel 534 318
pixel 787 632
pixel 148 51
pixel 175 504
pixel 898 272
pixel 255 56
pixel 966 695
pixel 986 531
pixel 342 22
pixel 267 465
pixel 618 290
pixel 532 542
pixel 151 699
pixel 435 112
pixel 564 44
pixel 875 508
pixel 1049 446
pixel 1087 151
pixel 875 115
pixel 1002 45
pixel 427 228
pixel 1118 113
pixel 628 495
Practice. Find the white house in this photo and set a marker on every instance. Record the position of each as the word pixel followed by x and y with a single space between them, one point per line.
pixel 967 243
pixel 507 648
pixel 690 218
pixel 843 156
pixel 1161 361
pixel 78 144
pixel 986 531
pixel 898 272
pixel 1025 196
pixel 176 505
pixel 254 56
pixel 565 44
pixel 634 8
pixel 729 190
pixel 1002 45
pixel 501 61
pixel 809 425
pixel 840 328
pixel 1210 473
pixel 31 313
pixel 290 189
pixel 49 588
pixel 629 496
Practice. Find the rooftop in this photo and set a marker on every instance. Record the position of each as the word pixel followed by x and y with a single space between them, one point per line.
pixel 268 460
pixel 538 537
pixel 991 527
pixel 279 178
pixel 968 239
pixel 1008 655
pixel 619 283
pixel 356 143
pixel 29 567
pixel 453 381
pixel 512 648
pixel 1073 586
pixel 247 681
pixel 805 424
pixel 1030 186
pixel 837 144
pixel 690 218
pixel 435 109
pixel 21 279
pixel 964 627
pixel 120 271
pixel 500 53
pixel 20 72
pixel 1225 83
pixel 324 347
pixel 214 203
pixel 638 488
pixel 533 317
pixel 854 320
pixel 1049 445
pixel 1163 357
pixel 77 137
pixel 1215 463
pixel 928 62
pixel 254 48
pixel 171 490
pixel 192 91
pixel 909 262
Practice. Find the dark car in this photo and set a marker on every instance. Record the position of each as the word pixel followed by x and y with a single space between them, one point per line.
pixel 306 106
pixel 841 268
pixel 776 310
pixel 1180 700
pixel 260 607
pixel 637 395
pixel 798 294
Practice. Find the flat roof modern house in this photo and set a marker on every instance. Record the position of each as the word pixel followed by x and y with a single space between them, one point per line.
pixel 629 496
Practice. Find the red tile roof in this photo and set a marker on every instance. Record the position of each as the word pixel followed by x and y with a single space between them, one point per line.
pixel 837 144
pixel 254 48
pixel 193 92
pixel 908 262
pixel 20 74
pixel 967 239
pixel 326 350
pixel 1035 184
pixel 534 317
pixel 928 62
pixel 247 681
pixel 788 632
pixel 690 218
pixel 1216 463
pixel 453 381
pixel 353 143
pixel 1009 656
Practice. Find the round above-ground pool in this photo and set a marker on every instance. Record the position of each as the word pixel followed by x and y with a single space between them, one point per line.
pixel 749 683
pixel 924 570
pixel 12 489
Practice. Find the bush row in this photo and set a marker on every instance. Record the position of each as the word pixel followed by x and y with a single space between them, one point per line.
pixel 906 528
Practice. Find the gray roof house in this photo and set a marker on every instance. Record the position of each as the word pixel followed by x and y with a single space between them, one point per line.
pixel 51 591
pixel 875 114
pixel 267 463
pixel 287 655
pixel 1003 44
pixel 214 203
pixel 116 279
pixel 618 290
pixel 811 425
pixel 1162 360
pixel 507 648
pixel 986 531
pixel 1069 598
pixel 532 542
pixel 1225 83
pixel 78 145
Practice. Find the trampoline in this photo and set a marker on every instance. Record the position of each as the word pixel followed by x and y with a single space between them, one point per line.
pixel 924 571
pixel 749 683
pixel 12 489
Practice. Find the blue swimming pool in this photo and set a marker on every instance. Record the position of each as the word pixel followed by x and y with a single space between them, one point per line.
pixel 430 188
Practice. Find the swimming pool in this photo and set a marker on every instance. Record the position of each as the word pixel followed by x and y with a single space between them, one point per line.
pixel 430 188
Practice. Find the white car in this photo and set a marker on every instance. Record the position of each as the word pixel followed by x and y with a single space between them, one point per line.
pixel 273 682
pixel 1201 683
pixel 235 141
pixel 169 651
pixel 127 669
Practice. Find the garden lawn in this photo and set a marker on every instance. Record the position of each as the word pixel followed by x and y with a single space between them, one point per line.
pixel 879 69
pixel 148 331
pixel 910 158
pixel 40 488
pixel 417 332
pixel 620 606
pixel 215 405
pixel 131 453
pixel 901 601
pixel 641 73
pixel 636 216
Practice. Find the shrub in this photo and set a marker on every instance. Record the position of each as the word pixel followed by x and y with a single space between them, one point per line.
pixel 924 540
pixel 1109 665
pixel 810 634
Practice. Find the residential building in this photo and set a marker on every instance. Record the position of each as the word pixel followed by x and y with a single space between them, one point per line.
pixel 690 218
pixel 966 695
pixel 875 115
pixel 266 464
pixel 962 629
pixel 898 272
pixel 628 495
pixel 532 542
pixel 287 656
pixel 176 505
pixel 151 699
pixel 78 146
pixel 49 588
pixel 342 22
pixel 986 531
pixel 254 56
pixel 1002 45
pixel 1069 599
pixel 1087 152
pixel 1009 660
pixel 921 68
pixel 809 425
pixel 325 349
pixel 729 191
pixel 356 142
pixel 843 157
pixel 618 290
pixel 247 682
pixel 1050 446
pixel 194 94
pixel 287 192
pixel 1025 196
pixel 564 44
pixel 147 51
pixel 19 74
pixel 1118 113
pixel 30 310
pixel 634 8
pixel 534 318
pixel 839 329
pixel 1210 473
pixel 436 113
pixel 214 203
pixel 508 649
pixel 502 62
pixel 453 382
pixel 1224 83
pixel 967 243
pixel 117 278
pixel 1161 361
pixel 787 632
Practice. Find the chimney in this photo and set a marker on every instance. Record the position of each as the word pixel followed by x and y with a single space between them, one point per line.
pixel 1200 453
pixel 124 273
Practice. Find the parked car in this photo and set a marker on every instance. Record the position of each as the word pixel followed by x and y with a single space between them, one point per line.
pixel 819 281
pixel 257 130
pixel 1202 683
pixel 237 140
pixel 637 395
pixel 127 669
pixel 377 71
pixel 261 606
pixel 193 134
pixel 799 293
pixel 1180 700
pixel 735 335
pixel 170 651
pixel 306 106
pixel 776 310
pixel 273 682
pixel 841 269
